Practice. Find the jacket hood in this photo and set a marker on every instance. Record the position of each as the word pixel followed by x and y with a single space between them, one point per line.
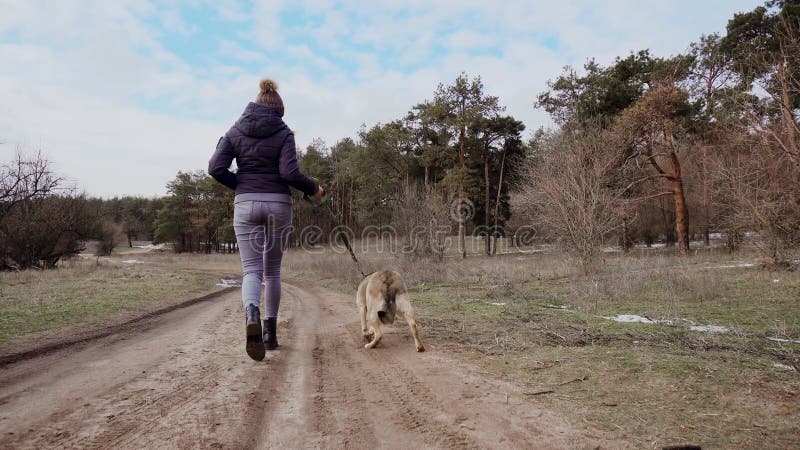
pixel 260 121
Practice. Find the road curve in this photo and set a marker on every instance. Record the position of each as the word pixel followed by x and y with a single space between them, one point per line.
pixel 184 381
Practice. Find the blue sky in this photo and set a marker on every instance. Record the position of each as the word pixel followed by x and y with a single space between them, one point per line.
pixel 121 95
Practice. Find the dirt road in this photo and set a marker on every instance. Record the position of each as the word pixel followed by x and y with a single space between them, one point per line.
pixel 183 381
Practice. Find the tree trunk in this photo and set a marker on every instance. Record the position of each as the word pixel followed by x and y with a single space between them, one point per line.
pixel 668 224
pixel 488 242
pixel 706 178
pixel 681 217
pixel 625 239
pixel 350 206
pixel 681 211
pixel 706 200
pixel 787 114
pixel 462 246
pixel 497 204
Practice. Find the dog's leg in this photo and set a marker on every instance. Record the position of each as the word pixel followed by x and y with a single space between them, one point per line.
pixel 361 303
pixel 412 324
pixel 375 327
pixel 405 308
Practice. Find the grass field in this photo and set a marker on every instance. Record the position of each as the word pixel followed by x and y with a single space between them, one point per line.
pixel 81 292
pixel 536 319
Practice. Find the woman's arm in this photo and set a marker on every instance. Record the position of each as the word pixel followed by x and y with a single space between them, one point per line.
pixel 290 170
pixel 220 163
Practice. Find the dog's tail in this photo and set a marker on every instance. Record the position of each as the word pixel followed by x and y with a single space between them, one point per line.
pixel 386 311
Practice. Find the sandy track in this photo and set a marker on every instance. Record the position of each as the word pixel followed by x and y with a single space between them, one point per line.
pixel 184 381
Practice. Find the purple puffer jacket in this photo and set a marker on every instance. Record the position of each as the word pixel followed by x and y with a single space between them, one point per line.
pixel 263 147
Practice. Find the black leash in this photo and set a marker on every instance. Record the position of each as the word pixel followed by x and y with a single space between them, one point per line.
pixel 346 241
pixel 342 234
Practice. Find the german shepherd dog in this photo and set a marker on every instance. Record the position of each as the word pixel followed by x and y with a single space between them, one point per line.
pixel 380 296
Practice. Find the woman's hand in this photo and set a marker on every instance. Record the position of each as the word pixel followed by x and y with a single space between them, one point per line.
pixel 320 192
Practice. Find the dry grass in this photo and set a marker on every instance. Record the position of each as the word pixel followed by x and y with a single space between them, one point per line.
pixel 81 292
pixel 335 264
pixel 650 385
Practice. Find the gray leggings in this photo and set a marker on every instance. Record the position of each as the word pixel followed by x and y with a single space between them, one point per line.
pixel 262 231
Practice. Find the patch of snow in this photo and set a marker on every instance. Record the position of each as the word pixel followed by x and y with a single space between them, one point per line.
pixel 709 328
pixel 151 246
pixel 784 366
pixel 612 250
pixel 787 341
pixel 496 304
pixel 557 306
pixel 133 261
pixel 733 266
pixel 519 250
pixel 776 280
pixel 229 282
pixel 630 318
pixel 633 318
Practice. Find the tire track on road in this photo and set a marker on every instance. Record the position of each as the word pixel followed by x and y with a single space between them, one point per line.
pixel 184 381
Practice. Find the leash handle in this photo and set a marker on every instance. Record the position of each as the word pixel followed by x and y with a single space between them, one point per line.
pixel 317 202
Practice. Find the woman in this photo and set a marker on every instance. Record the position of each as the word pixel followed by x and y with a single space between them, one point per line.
pixel 265 154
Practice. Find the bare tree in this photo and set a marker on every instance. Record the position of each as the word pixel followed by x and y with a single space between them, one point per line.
pixel 570 189
pixel 41 221
pixel 25 178
pixel 423 219
pixel 783 68
pixel 759 173
pixel 785 137
pixel 759 189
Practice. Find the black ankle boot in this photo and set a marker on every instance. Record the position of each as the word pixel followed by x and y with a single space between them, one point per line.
pixel 254 346
pixel 270 333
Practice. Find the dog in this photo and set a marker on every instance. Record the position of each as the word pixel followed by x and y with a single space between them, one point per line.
pixel 380 296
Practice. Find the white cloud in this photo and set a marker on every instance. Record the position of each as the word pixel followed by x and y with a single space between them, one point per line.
pixel 230 10
pixel 470 40
pixel 96 86
pixel 267 30
pixel 240 53
pixel 107 148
